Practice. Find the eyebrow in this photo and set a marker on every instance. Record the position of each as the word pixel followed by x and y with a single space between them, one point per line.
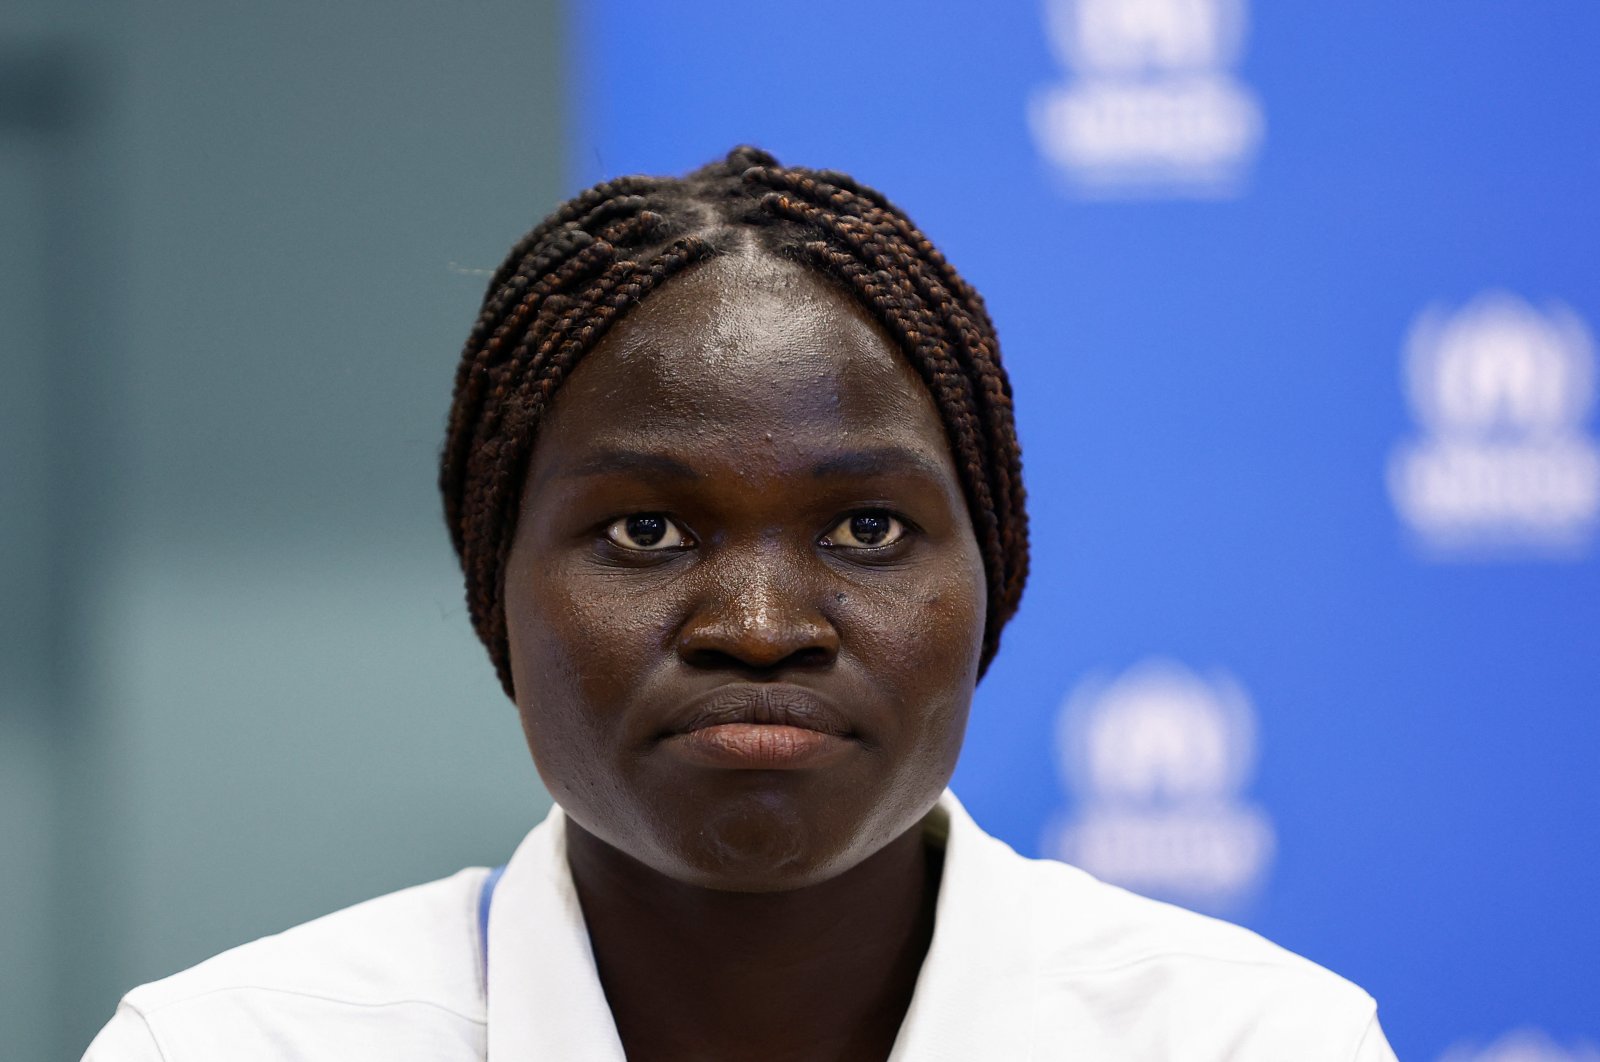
pixel 888 460
pixel 629 462
pixel 882 461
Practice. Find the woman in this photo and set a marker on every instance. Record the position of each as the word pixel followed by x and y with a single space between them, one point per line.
pixel 732 474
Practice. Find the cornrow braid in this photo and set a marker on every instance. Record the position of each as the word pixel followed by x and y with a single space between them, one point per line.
pixel 581 269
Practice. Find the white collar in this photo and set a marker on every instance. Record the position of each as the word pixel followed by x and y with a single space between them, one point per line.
pixel 973 997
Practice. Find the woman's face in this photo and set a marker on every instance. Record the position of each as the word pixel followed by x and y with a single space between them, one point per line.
pixel 745 602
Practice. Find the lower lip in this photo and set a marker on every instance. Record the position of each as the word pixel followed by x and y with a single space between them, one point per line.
pixel 759 746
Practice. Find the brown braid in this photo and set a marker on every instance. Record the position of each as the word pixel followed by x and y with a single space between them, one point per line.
pixel 585 266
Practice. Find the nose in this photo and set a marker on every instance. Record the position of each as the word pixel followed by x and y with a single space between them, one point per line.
pixel 758 616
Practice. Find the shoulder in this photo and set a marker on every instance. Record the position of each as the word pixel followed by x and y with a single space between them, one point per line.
pixel 1089 926
pixel 1136 973
pixel 407 963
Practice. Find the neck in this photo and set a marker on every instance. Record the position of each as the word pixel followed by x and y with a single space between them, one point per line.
pixel 823 972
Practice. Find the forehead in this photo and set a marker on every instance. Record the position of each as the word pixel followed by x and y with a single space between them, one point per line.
pixel 745 349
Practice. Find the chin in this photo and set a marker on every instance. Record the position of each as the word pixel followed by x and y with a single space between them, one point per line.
pixel 760 843
pixel 753 845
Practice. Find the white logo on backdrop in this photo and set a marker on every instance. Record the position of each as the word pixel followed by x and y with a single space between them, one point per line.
pixel 1159 758
pixel 1503 463
pixel 1523 1045
pixel 1150 104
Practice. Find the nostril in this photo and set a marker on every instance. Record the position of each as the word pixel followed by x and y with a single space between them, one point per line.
pixel 712 659
pixel 811 656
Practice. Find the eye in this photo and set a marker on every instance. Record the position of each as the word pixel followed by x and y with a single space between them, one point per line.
pixel 649 532
pixel 873 529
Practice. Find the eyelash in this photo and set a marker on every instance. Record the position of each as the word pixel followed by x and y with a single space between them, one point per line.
pixel 620 525
pixel 903 524
pixel 905 527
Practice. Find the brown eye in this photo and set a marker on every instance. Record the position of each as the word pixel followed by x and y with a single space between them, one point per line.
pixel 866 530
pixel 647 532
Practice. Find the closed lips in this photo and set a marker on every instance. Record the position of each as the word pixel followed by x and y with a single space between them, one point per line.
pixel 770 704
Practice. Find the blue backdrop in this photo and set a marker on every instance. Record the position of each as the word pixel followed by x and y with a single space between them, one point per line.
pixel 1299 303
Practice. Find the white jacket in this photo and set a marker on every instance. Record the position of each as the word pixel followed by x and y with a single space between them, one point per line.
pixel 1031 960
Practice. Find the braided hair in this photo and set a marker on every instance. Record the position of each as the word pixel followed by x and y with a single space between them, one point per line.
pixel 580 270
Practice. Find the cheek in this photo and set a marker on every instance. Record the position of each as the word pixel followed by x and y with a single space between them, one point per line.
pixel 921 642
pixel 577 646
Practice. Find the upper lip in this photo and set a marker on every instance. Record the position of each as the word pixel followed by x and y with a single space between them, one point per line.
pixel 772 704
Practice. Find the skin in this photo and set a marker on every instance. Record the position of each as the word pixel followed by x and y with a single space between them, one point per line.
pixel 734 912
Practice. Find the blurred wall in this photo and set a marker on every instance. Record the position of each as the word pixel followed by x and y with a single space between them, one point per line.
pixel 241 247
